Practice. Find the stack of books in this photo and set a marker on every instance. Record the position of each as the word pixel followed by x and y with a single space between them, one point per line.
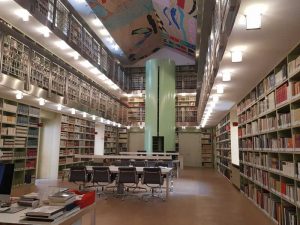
pixel 45 213
pixel 31 200
pixel 62 198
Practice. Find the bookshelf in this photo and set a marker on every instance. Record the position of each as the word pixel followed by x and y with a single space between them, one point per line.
pixel 136 109
pixel 19 141
pixel 223 147
pixel 269 134
pixel 186 110
pixel 77 137
pixel 110 140
pixel 207 148
pixel 122 139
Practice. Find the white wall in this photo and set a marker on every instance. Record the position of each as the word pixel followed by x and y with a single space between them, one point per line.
pixel 99 139
pixel 136 141
pixel 190 148
pixel 49 145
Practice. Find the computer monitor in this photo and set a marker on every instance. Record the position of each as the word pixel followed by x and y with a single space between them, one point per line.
pixel 6 178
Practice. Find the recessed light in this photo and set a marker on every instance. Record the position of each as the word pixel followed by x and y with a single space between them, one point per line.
pixel 236 56
pixel 226 76
pixel 104 32
pixel 45 31
pixel 84 114
pixel 215 98
pixel 253 20
pixel 23 14
pixel 59 107
pixel 93 117
pixel 42 101
pixel 62 45
pixel 19 95
pixel 73 111
pixel 75 55
pixel 101 120
pixel 95 70
pixel 97 22
pixel 85 63
pixel 220 89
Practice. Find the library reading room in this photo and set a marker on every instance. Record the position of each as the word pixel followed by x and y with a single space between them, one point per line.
pixel 193 118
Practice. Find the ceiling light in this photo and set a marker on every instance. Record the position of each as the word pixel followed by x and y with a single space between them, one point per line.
pixel 104 32
pixel 236 56
pixel 80 1
pixel 23 13
pixel 84 114
pixel 44 31
pixel 62 45
pixel 19 95
pixel 93 117
pixel 101 120
pixel 215 98
pixel 59 107
pixel 110 39
pixel 97 22
pixel 220 89
pixel 226 76
pixel 42 101
pixel 253 20
pixel 183 127
pixel 116 47
pixel 119 125
pixel 75 55
pixel 212 104
pixel 95 70
pixel 73 111
pixel 102 77
pixel 128 127
pixel 85 63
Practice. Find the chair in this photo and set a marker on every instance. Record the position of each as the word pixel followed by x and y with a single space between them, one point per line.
pixel 151 163
pixel 152 177
pixel 139 163
pixel 125 163
pixel 78 174
pixel 127 178
pixel 116 163
pixel 102 177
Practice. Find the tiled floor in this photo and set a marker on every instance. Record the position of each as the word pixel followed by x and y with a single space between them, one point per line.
pixel 201 197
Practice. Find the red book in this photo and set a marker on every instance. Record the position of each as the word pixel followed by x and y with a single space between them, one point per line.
pixel 283 188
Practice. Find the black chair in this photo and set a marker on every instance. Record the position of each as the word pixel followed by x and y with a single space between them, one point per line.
pixel 102 177
pixel 125 163
pixel 127 178
pixel 116 163
pixel 152 177
pixel 151 163
pixel 78 174
pixel 139 163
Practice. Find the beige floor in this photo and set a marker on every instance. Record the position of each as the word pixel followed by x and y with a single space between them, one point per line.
pixel 201 197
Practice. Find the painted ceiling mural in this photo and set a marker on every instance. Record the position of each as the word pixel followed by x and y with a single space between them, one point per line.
pixel 141 27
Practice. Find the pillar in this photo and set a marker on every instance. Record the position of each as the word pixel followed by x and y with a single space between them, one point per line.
pixel 160 115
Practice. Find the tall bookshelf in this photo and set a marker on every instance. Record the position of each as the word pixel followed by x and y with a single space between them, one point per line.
pixel 269 134
pixel 110 140
pixel 77 137
pixel 207 148
pixel 186 110
pixel 136 109
pixel 19 141
pixel 122 139
pixel 223 147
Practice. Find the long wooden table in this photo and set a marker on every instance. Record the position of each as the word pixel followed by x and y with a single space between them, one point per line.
pixel 147 157
pixel 115 169
pixel 18 218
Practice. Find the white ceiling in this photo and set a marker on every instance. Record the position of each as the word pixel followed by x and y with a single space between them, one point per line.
pixel 264 48
pixel 167 53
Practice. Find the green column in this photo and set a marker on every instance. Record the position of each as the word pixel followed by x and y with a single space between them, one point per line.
pixel 164 84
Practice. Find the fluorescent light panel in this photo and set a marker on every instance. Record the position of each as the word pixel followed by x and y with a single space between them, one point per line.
pixel 253 20
pixel 236 56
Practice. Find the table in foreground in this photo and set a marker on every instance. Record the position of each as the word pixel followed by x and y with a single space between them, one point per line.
pixel 18 218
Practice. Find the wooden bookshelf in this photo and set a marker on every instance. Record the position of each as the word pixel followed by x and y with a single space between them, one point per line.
pixel 223 147
pixel 110 140
pixel 269 134
pixel 19 141
pixel 186 110
pixel 122 139
pixel 136 109
pixel 207 148
pixel 77 137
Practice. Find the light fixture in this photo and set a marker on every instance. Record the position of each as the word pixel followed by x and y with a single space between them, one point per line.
pixel 97 22
pixel 62 45
pixel 236 56
pixel 42 101
pixel 119 125
pixel 253 20
pixel 101 120
pixel 44 31
pixel 215 98
pixel 212 104
pixel 84 114
pixel 141 126
pixel 197 127
pixel 75 55
pixel 114 124
pixel 23 14
pixel 59 107
pixel 110 40
pixel 183 127
pixel 95 71
pixel 85 63
pixel 116 47
pixel 104 32
pixel 73 111
pixel 128 127
pixel 220 89
pixel 226 76
pixel 19 95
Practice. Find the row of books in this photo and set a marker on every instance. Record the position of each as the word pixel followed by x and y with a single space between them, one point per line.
pixel 284 119
pixel 295 86
pixel 294 65
pixel 282 93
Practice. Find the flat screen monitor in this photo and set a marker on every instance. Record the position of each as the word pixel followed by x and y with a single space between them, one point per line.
pixel 6 178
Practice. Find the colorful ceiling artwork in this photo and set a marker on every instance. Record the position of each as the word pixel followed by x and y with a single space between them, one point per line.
pixel 141 27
